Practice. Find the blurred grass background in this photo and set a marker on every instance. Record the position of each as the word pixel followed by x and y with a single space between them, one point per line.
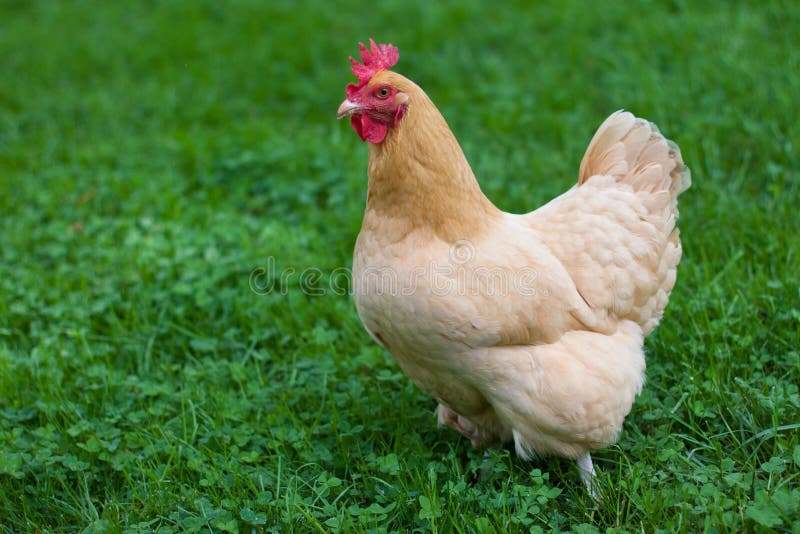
pixel 154 154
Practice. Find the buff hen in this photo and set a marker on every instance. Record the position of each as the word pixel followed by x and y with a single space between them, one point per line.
pixel 525 328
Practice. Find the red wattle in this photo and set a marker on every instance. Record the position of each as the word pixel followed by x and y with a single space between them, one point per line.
pixel 368 129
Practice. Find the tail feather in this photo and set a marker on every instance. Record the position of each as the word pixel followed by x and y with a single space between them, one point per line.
pixel 634 152
pixel 615 233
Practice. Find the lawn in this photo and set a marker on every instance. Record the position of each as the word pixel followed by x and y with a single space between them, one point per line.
pixel 177 198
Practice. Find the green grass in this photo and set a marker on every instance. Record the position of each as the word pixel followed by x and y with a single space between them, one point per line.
pixel 154 154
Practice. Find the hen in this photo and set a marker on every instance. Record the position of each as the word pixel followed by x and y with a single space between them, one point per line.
pixel 525 328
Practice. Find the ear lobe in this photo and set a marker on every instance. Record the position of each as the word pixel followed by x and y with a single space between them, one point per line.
pixel 398 114
pixel 400 99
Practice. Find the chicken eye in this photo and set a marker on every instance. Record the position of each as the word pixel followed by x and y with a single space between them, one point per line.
pixel 383 92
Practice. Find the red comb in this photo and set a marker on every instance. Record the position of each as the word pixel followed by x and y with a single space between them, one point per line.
pixel 378 57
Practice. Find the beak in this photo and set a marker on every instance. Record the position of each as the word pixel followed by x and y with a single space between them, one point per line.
pixel 346 109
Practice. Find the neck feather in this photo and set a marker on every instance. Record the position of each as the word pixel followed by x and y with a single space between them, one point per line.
pixel 420 178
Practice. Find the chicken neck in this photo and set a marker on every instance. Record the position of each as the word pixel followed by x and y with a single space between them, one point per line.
pixel 420 179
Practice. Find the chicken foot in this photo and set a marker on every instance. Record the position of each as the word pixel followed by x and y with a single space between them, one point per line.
pixel 460 424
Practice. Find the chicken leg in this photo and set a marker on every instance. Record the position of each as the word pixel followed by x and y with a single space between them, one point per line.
pixel 588 474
